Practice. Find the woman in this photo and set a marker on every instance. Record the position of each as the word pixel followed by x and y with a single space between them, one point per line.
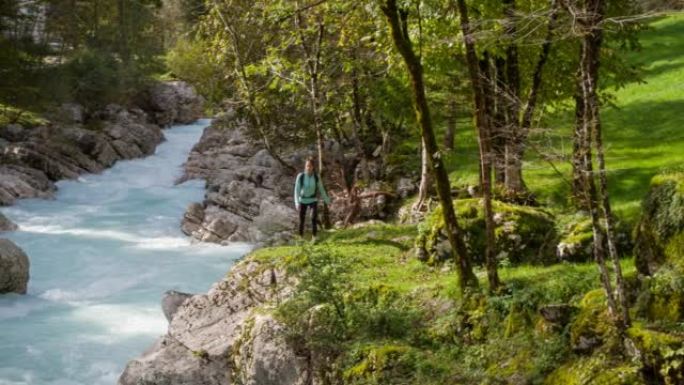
pixel 307 185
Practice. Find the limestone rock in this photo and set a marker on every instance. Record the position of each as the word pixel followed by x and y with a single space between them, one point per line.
pixel 171 301
pixel 168 362
pixel 265 358
pixel 6 224
pixel 205 330
pixel 14 268
pixel 192 220
pixel 173 102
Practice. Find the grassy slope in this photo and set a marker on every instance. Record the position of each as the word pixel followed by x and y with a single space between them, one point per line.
pixel 644 133
pixel 410 331
pixel 406 322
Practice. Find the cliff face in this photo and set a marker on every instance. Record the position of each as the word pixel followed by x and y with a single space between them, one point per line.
pixel 226 336
pixel 33 159
pixel 248 193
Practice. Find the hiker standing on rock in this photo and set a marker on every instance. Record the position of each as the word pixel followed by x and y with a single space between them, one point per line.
pixel 307 187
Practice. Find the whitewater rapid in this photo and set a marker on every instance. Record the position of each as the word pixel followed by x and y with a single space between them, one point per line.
pixel 102 254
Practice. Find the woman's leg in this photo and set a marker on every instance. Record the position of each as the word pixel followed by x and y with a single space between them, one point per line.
pixel 314 218
pixel 302 216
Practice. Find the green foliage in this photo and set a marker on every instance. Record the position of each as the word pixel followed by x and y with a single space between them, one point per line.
pixel 92 53
pixel 188 60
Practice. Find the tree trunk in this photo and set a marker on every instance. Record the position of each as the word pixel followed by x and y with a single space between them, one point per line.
pixel 358 125
pixel 483 124
pixel 589 65
pixel 595 10
pixel 500 126
pixel 514 179
pixel 423 188
pixel 578 195
pixel 398 24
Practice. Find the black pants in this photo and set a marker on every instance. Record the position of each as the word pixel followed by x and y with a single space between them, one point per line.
pixel 314 216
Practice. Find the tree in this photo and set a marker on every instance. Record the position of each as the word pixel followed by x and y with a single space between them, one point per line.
pixel 483 124
pixel 398 22
pixel 598 201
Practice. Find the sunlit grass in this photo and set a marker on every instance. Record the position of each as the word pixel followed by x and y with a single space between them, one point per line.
pixel 643 132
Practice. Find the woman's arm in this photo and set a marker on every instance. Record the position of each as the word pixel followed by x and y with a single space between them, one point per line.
pixel 296 190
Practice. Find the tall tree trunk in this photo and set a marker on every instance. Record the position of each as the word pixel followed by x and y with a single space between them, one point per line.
pixel 358 126
pixel 578 194
pixel 594 10
pixel 312 56
pixel 397 20
pixel 514 178
pixel 500 120
pixel 589 65
pixel 483 124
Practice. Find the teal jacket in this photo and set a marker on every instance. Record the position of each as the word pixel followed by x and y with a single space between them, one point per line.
pixel 305 189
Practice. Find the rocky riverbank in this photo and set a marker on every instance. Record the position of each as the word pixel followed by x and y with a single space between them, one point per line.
pixel 248 193
pixel 224 336
pixel 76 141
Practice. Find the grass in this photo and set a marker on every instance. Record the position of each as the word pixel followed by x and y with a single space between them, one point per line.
pixel 403 319
pixel 9 115
pixel 643 132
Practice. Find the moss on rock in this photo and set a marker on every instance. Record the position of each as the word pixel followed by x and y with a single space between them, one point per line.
pixel 593 328
pixel 523 234
pixel 662 354
pixel 661 298
pixel 659 234
pixel 595 370
pixel 576 240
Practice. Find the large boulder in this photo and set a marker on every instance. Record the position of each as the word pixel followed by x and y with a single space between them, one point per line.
pixel 659 234
pixel 523 234
pixel 6 224
pixel 207 332
pixel 18 181
pixel 14 268
pixel 173 102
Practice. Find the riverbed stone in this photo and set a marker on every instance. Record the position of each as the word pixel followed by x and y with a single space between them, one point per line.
pixel 6 224
pixel 14 268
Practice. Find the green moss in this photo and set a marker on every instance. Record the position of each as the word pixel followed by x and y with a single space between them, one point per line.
pixel 10 114
pixel 523 234
pixel 595 370
pixel 659 235
pixel 661 298
pixel 662 354
pixel 593 323
pixel 380 365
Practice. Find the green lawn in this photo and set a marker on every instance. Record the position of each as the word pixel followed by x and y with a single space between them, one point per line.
pixel 643 133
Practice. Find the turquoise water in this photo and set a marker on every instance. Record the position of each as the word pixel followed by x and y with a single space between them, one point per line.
pixel 102 254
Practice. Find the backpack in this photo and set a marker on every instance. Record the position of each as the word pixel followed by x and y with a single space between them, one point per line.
pixel 300 182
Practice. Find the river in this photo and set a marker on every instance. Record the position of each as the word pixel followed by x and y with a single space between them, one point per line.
pixel 102 254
